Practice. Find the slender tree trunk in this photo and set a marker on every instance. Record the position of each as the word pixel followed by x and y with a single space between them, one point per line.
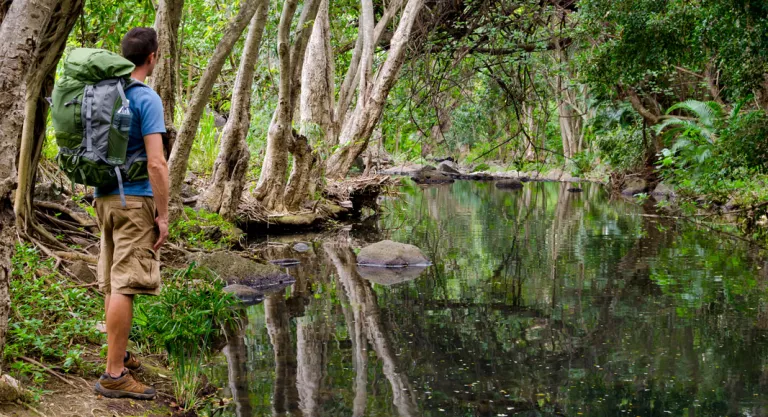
pixel 280 137
pixel 20 30
pixel 165 77
pixel 357 131
pixel 181 149
pixel 316 112
pixel 229 171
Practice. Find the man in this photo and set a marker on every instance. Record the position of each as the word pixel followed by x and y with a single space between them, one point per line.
pixel 132 235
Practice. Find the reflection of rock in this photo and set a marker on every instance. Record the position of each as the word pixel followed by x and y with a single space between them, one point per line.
pixel 390 276
pixel 246 294
pixel 285 262
pixel 238 270
pixel 575 190
pixel 509 184
pixel 392 254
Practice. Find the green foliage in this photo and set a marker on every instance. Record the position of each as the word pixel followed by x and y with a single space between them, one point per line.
pixel 203 229
pixel 50 318
pixel 188 320
pixel 189 313
pixel 205 148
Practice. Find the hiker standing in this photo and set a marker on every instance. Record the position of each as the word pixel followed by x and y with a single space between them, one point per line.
pixel 134 219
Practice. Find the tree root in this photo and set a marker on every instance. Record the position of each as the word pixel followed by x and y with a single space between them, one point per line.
pixel 47 369
pixel 83 221
pixel 77 256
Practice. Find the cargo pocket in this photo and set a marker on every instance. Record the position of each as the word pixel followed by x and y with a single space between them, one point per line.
pixel 146 270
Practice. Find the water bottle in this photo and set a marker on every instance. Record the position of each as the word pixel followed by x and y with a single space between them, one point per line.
pixel 118 144
pixel 122 120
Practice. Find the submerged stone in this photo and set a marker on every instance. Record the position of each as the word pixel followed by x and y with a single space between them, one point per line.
pixel 391 254
pixel 634 186
pixel 247 295
pixel 390 276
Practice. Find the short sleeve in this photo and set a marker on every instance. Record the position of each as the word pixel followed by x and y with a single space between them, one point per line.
pixel 152 118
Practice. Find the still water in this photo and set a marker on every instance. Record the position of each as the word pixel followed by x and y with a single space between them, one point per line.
pixel 540 302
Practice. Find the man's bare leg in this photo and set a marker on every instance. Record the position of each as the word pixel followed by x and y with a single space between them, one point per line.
pixel 119 317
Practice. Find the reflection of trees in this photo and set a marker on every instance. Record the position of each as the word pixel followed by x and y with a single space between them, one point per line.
pixel 367 316
pixel 237 355
pixel 285 396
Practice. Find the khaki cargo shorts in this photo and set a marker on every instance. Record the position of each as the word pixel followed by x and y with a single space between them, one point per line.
pixel 127 262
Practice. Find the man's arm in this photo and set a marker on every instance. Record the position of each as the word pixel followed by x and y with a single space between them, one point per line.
pixel 158 178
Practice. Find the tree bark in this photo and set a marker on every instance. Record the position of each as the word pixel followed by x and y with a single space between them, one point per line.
pixel 20 31
pixel 181 149
pixel 280 138
pixel 165 77
pixel 358 129
pixel 229 171
pixel 316 112
pixel 39 85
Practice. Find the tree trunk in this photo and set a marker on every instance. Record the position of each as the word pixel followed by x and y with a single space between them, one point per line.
pixel 39 85
pixel 229 171
pixel 165 77
pixel 181 149
pixel 280 137
pixel 20 30
pixel 316 112
pixel 357 131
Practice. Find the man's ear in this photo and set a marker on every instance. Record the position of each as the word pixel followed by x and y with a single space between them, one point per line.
pixel 152 58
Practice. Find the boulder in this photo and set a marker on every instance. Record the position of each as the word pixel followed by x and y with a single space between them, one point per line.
pixel 509 185
pixel 235 269
pixel 553 175
pixel 247 295
pixel 663 190
pixel 634 186
pixel 431 177
pixel 83 273
pixel 49 191
pixel 406 169
pixel 448 167
pixel 390 276
pixel 391 254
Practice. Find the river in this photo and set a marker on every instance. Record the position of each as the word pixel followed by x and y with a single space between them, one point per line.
pixel 540 302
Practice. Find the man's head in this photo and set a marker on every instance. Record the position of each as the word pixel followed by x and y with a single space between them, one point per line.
pixel 140 47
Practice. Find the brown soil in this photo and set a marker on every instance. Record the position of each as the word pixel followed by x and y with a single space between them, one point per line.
pixel 80 401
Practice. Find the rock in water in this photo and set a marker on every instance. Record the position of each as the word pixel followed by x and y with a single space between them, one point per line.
pixel 391 254
pixel 301 247
pixel 285 262
pixel 431 177
pixel 448 167
pixel 390 276
pixel 509 185
pixel 634 186
pixel 575 190
pixel 235 269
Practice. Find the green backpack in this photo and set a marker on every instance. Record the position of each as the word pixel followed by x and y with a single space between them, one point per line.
pixel 91 118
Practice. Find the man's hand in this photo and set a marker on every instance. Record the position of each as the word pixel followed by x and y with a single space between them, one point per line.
pixel 162 226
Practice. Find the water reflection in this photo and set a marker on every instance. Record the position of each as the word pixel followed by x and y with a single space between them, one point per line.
pixel 540 302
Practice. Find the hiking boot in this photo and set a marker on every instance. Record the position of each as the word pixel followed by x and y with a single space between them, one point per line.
pixel 124 387
pixel 131 362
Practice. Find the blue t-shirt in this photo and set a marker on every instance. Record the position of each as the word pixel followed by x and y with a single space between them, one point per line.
pixel 147 109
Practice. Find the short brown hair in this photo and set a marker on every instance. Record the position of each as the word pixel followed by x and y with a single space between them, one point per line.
pixel 138 44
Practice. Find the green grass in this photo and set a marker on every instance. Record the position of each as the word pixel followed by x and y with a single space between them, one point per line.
pixel 197 228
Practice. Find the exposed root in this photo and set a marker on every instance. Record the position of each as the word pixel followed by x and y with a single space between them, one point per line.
pixel 47 369
pixel 77 256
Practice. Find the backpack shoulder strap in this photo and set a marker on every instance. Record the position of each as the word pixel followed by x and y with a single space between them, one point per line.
pixel 133 83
